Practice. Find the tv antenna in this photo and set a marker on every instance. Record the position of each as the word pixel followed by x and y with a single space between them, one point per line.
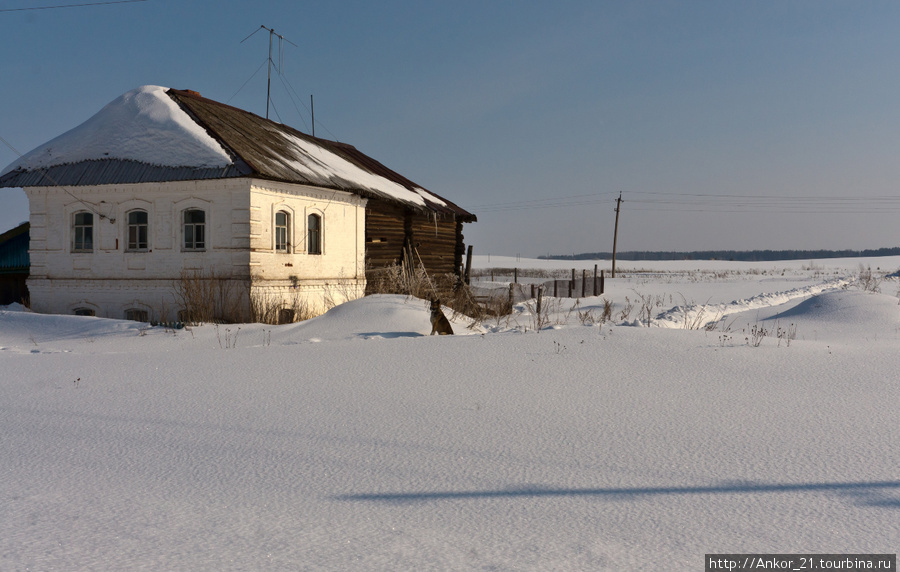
pixel 281 40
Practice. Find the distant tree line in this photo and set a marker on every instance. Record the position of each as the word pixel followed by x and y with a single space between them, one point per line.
pixel 736 255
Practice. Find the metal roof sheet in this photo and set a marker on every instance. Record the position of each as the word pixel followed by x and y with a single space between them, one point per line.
pixel 260 148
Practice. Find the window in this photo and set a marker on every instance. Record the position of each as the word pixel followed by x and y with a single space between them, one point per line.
pixel 314 240
pixel 83 232
pixel 84 312
pixel 282 236
pixel 194 229
pixel 136 315
pixel 137 230
pixel 285 316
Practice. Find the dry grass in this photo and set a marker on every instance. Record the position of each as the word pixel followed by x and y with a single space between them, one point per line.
pixel 210 297
pixel 448 288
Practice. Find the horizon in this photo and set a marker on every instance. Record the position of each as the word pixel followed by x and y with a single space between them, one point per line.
pixel 763 126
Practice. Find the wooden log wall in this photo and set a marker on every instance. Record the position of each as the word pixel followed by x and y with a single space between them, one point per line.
pixel 389 228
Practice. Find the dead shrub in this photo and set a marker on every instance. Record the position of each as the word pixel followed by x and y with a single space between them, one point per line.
pixel 448 288
pixel 210 297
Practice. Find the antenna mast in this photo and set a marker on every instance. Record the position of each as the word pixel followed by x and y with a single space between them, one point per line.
pixel 281 40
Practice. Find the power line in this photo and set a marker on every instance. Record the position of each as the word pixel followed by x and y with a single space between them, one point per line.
pixel 70 5
pixel 46 174
pixel 714 203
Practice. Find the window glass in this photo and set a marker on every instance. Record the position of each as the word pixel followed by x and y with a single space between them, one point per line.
pixel 137 230
pixel 83 232
pixel 194 229
pixel 314 226
pixel 281 231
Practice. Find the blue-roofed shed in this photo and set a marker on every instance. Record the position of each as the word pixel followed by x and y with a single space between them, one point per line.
pixel 14 265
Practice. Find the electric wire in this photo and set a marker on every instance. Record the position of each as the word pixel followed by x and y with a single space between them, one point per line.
pixel 46 174
pixel 248 81
pixel 70 5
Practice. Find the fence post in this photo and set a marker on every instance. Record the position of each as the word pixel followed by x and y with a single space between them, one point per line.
pixel 602 284
pixel 511 297
pixel 468 264
pixel 555 288
pixel 532 290
pixel 595 280
pixel 572 284
pixel 540 296
pixel 584 282
pixel 516 275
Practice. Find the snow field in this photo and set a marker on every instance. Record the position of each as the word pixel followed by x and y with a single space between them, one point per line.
pixel 356 442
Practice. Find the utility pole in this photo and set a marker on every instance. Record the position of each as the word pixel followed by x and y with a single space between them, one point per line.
pixel 616 233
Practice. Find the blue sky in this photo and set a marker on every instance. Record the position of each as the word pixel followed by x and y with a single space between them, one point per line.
pixel 735 125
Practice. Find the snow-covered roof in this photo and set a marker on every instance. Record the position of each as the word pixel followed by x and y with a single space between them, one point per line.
pixel 154 134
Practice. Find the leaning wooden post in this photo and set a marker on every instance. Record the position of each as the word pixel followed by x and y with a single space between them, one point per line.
pixel 468 264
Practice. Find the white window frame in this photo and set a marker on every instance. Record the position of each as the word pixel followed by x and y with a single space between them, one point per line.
pixel 283 232
pixel 193 231
pixel 136 247
pixel 78 232
pixel 315 247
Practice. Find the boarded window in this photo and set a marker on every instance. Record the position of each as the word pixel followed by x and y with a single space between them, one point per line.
pixel 84 312
pixel 136 315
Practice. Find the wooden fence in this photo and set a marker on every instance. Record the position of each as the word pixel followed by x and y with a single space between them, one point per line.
pixel 578 286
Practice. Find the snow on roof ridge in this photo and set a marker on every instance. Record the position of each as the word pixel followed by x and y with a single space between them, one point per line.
pixel 143 125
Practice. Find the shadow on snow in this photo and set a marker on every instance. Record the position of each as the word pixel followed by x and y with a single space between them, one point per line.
pixel 871 492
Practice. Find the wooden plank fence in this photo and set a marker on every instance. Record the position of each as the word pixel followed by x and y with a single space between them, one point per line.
pixel 575 287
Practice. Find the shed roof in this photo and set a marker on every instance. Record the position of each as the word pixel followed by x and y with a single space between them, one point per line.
pixel 14 249
pixel 205 139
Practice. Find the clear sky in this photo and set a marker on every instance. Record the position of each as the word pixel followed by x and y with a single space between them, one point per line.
pixel 725 125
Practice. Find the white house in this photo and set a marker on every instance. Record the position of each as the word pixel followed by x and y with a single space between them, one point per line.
pixel 168 205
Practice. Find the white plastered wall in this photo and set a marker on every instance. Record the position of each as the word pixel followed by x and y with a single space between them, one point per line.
pixel 239 246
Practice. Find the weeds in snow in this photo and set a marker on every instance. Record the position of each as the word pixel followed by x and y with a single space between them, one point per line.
pixel 867 280
pixel 230 339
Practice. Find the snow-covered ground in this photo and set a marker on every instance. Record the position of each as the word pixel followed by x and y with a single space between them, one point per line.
pixel 354 441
